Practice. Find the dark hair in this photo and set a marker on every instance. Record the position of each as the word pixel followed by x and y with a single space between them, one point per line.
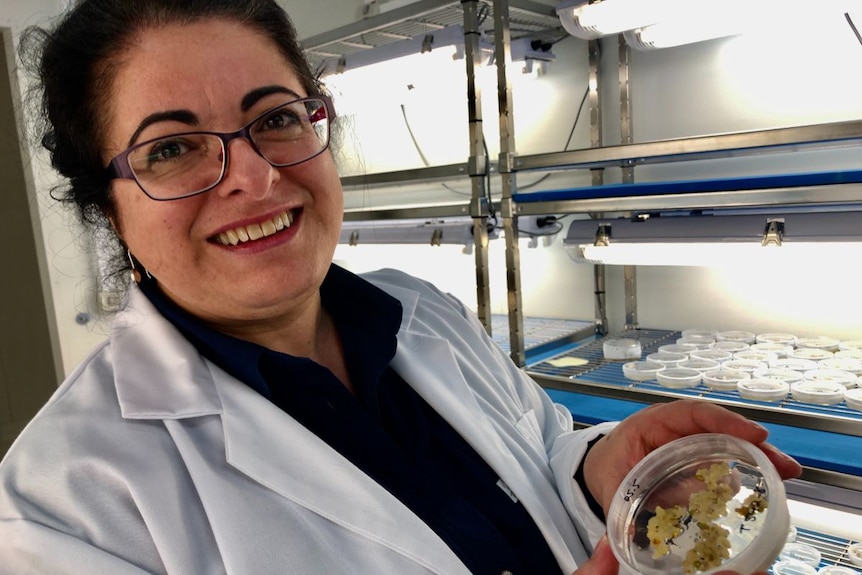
pixel 75 64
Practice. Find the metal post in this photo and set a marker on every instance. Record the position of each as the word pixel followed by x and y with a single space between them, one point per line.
pixel 599 271
pixel 628 174
pixel 503 55
pixel 478 163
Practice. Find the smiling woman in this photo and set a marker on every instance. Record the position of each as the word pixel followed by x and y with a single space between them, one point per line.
pixel 258 409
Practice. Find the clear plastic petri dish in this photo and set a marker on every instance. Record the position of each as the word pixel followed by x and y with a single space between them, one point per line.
pixel 801 552
pixel 791 534
pixel 845 378
pixel 724 379
pixel 790 567
pixel 700 332
pixel 667 358
pixel 850 344
pixel 854 554
pixel 699 504
pixel 700 365
pixel 779 349
pixel 712 354
pixel 641 370
pixel 837 570
pixel 730 345
pixel 819 342
pixel 818 392
pixel 756 355
pixel 812 353
pixel 748 365
pixel 621 349
pixel 853 397
pixel 849 364
pixel 776 337
pixel 794 363
pixel 684 348
pixel 679 377
pixel 786 375
pixel 757 389
pixel 697 342
pixel 736 335
pixel 849 353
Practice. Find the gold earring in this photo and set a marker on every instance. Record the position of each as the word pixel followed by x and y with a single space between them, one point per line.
pixel 136 275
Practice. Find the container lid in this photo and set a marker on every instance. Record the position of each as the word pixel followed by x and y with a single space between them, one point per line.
pixel 621 348
pixel 736 335
pixel 853 397
pixel 699 364
pixel 730 345
pixel 681 491
pixel 818 392
pixel 667 357
pixel 790 567
pixel 698 342
pixel 819 342
pixel 853 365
pixel 812 353
pixel 711 354
pixel 787 375
pixel 723 378
pixel 763 389
pixel 837 570
pixel 854 553
pixel 748 365
pixel 641 370
pixel 794 363
pixel 679 377
pixel 756 355
pixel 785 338
pixel 800 552
pixel 845 378
pixel 780 349
pixel 685 348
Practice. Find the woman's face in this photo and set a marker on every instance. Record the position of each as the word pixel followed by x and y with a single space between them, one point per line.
pixel 218 75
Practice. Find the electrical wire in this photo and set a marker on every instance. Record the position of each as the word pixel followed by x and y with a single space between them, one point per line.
pixel 413 137
pixel 853 26
pixel 577 118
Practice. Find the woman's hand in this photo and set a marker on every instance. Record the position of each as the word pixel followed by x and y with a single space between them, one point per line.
pixel 610 459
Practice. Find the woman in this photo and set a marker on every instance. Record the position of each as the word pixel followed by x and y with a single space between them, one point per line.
pixel 256 408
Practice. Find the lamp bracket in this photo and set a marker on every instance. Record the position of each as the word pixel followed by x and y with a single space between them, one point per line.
pixel 427 43
pixel 603 235
pixel 354 238
pixel 773 233
pixel 437 237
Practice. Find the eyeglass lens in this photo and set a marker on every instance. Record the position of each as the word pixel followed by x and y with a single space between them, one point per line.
pixel 185 164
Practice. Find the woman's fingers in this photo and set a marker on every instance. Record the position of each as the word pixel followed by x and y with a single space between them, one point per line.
pixel 602 561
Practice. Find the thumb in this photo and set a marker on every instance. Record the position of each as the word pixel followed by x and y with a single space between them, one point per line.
pixel 602 561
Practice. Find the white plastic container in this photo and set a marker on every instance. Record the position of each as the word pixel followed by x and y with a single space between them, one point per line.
pixel 667 476
pixel 700 332
pixel 684 348
pixel 819 342
pixel 785 338
pixel 763 389
pixel 845 378
pixel 812 353
pixel 700 365
pixel 712 354
pixel 847 364
pixel 796 364
pixel 756 355
pixel 849 353
pixel 853 397
pixel 850 344
pixel 679 377
pixel 724 379
pixel 786 375
pixel 667 358
pixel 736 335
pixel 854 553
pixel 801 552
pixel 621 349
pixel 697 341
pixel 641 370
pixel 818 392
pixel 790 567
pixel 748 365
pixel 837 570
pixel 730 345
pixel 779 349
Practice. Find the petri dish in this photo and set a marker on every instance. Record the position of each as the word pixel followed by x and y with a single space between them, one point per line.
pixel 756 355
pixel 854 554
pixel 779 349
pixel 794 363
pixel 748 365
pixel 851 353
pixel 853 365
pixel 724 379
pixel 777 337
pixel 819 342
pixel 837 570
pixel 679 377
pixel 850 344
pixel 801 552
pixel 685 348
pixel 853 397
pixel 763 389
pixel 746 337
pixel 812 353
pixel 700 365
pixel 818 392
pixel 845 378
pixel 791 534
pixel 700 332
pixel 658 514
pixel 711 354
pixel 620 349
pixel 641 370
pixel 731 346
pixel 787 375
pixel 667 358
pixel 790 567
pixel 698 342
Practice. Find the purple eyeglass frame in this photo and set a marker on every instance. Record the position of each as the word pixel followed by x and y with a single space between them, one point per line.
pixel 120 168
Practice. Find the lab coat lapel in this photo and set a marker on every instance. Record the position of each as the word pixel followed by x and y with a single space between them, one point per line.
pixel 304 469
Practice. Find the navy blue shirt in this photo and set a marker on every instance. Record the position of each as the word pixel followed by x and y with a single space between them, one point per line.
pixel 386 429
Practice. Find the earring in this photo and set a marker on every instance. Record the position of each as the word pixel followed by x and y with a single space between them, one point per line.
pixel 136 275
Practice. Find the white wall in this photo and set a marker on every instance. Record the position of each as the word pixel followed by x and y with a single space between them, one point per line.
pixel 713 87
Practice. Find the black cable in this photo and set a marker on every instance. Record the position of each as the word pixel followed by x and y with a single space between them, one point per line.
pixel 577 118
pixel 853 26
pixel 412 137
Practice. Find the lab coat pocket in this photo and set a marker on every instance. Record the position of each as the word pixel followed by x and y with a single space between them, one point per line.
pixel 528 426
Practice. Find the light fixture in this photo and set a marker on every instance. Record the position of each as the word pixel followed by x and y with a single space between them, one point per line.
pixel 716 240
pixel 588 19
pixel 434 232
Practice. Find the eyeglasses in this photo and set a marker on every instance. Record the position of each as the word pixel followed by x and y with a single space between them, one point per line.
pixel 190 163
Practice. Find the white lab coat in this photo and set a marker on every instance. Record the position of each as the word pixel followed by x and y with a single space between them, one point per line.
pixel 150 459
